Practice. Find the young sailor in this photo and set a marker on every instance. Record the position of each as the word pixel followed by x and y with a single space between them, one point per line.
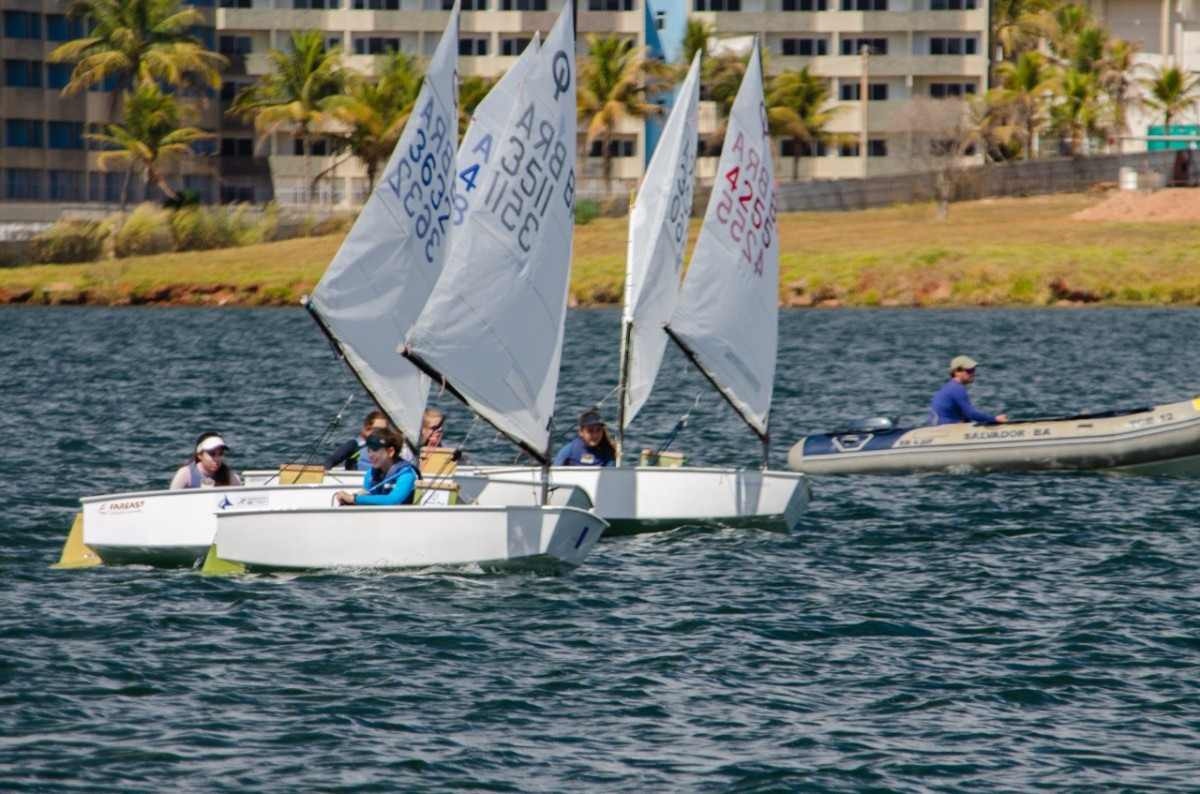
pixel 391 480
pixel 207 468
pixel 592 447
pixel 353 452
pixel 952 405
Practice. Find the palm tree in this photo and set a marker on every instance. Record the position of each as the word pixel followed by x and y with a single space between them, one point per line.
pixel 1116 70
pixel 373 111
pixel 696 34
pixel 1015 24
pixel 135 41
pixel 613 88
pixel 148 137
pixel 289 97
pixel 796 109
pixel 471 92
pixel 1024 86
pixel 1079 108
pixel 1172 91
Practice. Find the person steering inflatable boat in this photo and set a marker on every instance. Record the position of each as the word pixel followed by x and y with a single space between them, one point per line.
pixel 951 404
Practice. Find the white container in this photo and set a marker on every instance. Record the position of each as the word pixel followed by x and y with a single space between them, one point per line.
pixel 1127 178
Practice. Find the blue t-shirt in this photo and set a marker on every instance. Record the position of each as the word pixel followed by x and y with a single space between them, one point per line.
pixel 394 488
pixel 576 453
pixel 951 405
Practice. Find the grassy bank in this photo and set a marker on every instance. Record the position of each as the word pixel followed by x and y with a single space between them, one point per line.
pixel 997 252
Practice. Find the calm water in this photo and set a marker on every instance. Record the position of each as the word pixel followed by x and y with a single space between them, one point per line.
pixel 927 633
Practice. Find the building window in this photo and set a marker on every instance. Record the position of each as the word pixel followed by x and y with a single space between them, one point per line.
pixel 951 45
pixel 848 149
pixel 377 5
pixel 317 148
pixel 717 5
pixel 805 5
pixel 236 3
pixel 790 147
pixel 951 5
pixel 316 5
pixel 60 27
pixel 58 75
pixel 65 186
pixel 237 147
pixel 234 45
pixel 376 45
pixel 473 46
pixel 854 46
pixel 877 147
pixel 237 194
pixel 610 5
pixel 22 25
pixel 64 135
pixel 864 5
pixel 876 92
pixel 22 74
pixel 23 133
pixel 513 45
pixel 522 5
pixel 804 47
pixel 944 90
pixel 618 147
pixel 23 183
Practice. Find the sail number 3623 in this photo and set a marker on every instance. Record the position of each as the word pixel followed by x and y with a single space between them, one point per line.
pixel 422 181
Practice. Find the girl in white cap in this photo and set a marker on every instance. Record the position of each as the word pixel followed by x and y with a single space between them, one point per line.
pixel 207 468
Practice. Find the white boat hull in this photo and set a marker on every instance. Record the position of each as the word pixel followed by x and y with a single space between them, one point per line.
pixel 636 499
pixel 407 537
pixel 177 527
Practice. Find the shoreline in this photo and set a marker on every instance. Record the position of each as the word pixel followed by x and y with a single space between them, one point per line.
pixel 1039 251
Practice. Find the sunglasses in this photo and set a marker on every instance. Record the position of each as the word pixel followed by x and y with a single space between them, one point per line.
pixel 215 453
pixel 970 371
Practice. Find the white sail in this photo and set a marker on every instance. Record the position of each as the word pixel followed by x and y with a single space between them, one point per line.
pixel 658 228
pixel 493 327
pixel 383 273
pixel 476 153
pixel 727 317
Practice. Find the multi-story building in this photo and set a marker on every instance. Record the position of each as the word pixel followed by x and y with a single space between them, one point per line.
pixel 44 156
pixel 1165 32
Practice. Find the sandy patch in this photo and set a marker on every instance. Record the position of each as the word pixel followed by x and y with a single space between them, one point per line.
pixel 1169 205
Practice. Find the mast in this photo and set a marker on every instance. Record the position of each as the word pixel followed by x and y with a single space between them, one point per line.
pixel 623 384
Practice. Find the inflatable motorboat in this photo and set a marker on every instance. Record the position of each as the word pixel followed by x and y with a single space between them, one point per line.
pixel 1164 439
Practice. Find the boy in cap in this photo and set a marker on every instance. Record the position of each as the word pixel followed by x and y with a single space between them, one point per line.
pixel 592 447
pixel 951 404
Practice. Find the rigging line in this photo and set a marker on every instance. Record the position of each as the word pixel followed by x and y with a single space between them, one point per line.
pixel 682 423
pixel 335 422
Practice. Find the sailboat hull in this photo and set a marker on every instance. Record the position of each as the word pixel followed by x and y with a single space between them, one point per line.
pixel 408 537
pixel 175 528
pixel 636 499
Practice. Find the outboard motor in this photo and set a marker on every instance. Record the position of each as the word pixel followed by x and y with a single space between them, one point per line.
pixel 875 424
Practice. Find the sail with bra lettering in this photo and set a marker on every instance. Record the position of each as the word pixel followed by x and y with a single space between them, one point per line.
pixel 727 318
pixel 658 230
pixel 492 329
pixel 384 271
pixel 482 138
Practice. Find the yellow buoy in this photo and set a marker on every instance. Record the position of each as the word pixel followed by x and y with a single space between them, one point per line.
pixel 74 553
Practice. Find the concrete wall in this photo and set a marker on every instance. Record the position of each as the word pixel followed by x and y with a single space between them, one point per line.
pixel 1031 178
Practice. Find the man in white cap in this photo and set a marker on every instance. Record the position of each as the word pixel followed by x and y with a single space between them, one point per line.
pixel 952 405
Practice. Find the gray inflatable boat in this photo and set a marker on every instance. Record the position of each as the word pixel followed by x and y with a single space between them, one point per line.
pixel 1164 439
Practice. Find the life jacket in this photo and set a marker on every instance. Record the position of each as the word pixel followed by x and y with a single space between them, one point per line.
pixel 388 482
pixel 196 478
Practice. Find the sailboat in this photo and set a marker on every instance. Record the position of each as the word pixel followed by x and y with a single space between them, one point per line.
pixel 521 219
pixel 725 322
